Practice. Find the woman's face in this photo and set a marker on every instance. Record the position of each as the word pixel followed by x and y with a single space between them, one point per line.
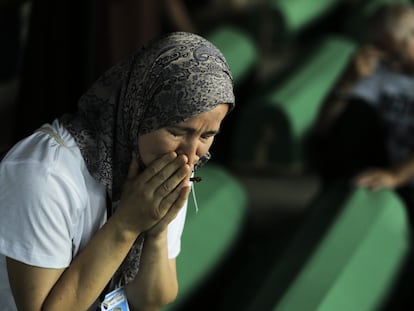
pixel 192 137
pixel 405 36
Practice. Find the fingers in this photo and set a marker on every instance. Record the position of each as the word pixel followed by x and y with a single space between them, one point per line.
pixel 367 181
pixel 174 203
pixel 156 166
pixel 133 167
pixel 164 186
pixel 374 180
pixel 170 176
pixel 363 180
pixel 160 189
pixel 174 196
pixel 165 177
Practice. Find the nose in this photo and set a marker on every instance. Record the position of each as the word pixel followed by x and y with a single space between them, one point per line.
pixel 192 149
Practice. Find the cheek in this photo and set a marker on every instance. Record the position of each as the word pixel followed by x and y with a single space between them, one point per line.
pixel 410 51
pixel 206 147
pixel 203 148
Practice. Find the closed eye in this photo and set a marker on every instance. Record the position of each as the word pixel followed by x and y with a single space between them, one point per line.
pixel 176 132
pixel 209 135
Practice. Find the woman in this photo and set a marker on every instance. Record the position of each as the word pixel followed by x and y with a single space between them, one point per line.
pixel 93 197
pixel 374 99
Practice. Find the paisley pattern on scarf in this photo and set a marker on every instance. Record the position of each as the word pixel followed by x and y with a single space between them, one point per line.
pixel 166 82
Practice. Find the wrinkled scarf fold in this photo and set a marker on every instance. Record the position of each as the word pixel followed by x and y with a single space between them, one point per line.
pixel 166 82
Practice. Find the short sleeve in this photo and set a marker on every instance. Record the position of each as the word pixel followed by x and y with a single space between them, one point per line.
pixel 367 89
pixel 35 222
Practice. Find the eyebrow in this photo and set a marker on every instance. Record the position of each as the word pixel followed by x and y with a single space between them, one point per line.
pixel 192 130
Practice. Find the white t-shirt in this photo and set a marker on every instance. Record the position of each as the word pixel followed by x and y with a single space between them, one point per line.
pixel 51 206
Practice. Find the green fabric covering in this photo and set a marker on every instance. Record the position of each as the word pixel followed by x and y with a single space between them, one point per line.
pixel 238 49
pixel 280 21
pixel 348 260
pixel 277 122
pixel 297 14
pixel 210 233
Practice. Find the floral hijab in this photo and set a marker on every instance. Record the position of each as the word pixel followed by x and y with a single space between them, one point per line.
pixel 166 82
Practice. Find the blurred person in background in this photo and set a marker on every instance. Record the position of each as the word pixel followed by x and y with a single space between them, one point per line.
pixel 375 97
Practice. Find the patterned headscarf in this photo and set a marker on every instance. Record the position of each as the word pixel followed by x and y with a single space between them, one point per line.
pixel 166 82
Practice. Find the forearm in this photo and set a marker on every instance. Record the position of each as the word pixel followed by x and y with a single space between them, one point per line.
pixel 86 277
pixel 156 283
pixel 404 171
pixel 392 178
pixel 336 101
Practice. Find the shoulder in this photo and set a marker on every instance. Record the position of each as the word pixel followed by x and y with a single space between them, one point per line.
pixel 45 189
pixel 370 87
pixel 40 164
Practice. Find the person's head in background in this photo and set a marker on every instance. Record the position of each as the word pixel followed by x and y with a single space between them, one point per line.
pixel 391 30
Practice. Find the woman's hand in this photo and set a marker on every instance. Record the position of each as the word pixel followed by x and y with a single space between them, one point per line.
pixel 150 199
pixel 153 198
pixel 375 179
